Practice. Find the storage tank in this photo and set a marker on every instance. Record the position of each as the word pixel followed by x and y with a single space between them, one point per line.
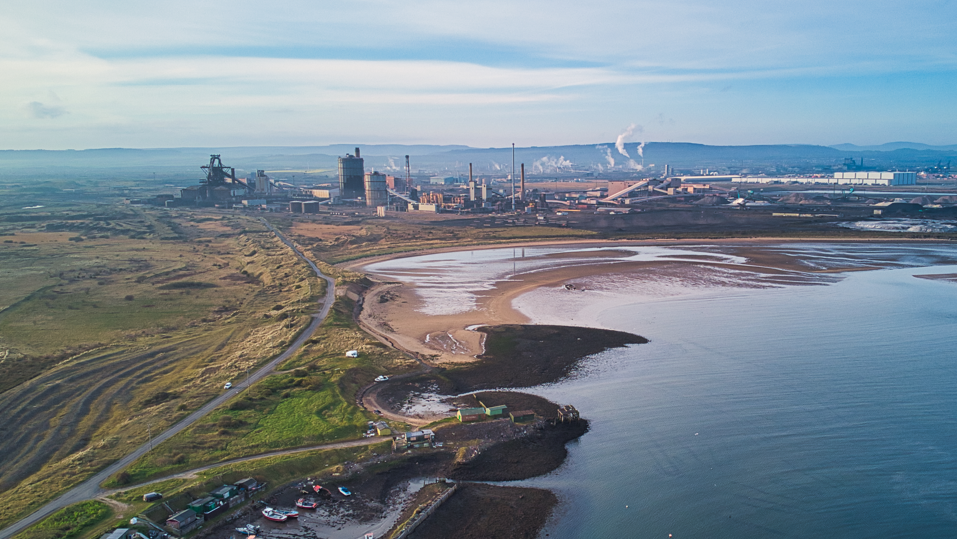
pixel 295 206
pixel 376 190
pixel 310 206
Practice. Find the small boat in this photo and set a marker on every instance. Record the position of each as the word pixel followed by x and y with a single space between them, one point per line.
pixel 303 503
pixel 344 491
pixel 271 514
pixel 288 513
pixel 249 529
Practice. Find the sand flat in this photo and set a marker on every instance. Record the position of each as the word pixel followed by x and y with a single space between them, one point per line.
pixel 405 311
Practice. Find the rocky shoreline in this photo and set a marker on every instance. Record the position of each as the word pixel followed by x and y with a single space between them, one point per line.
pixel 490 450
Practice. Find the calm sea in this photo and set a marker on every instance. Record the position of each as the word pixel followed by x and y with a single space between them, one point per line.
pixel 798 411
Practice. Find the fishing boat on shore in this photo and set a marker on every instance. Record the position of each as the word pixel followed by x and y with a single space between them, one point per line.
pixel 271 514
pixel 249 529
pixel 303 503
pixel 288 513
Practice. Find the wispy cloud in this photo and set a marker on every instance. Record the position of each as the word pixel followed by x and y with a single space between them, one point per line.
pixel 548 71
pixel 38 110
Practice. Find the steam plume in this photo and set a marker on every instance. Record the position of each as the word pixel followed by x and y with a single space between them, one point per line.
pixel 620 143
pixel 608 157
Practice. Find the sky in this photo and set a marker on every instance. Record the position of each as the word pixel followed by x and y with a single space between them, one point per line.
pixel 174 73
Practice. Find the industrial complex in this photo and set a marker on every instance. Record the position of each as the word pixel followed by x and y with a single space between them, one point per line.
pixel 360 190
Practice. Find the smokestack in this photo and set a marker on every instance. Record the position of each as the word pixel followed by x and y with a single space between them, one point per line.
pixel 471 185
pixel 357 152
pixel 523 183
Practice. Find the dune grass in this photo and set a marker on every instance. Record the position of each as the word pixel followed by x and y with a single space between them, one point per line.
pixel 102 350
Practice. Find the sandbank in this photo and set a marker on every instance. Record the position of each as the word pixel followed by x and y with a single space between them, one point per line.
pixel 394 309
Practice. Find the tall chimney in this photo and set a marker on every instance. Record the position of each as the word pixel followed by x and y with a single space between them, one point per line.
pixel 471 185
pixel 522 192
pixel 357 152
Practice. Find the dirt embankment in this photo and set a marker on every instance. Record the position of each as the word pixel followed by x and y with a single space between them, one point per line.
pixel 539 452
pixel 478 511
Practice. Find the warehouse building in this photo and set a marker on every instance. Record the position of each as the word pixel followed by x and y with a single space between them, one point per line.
pixel 840 178
pixel 876 178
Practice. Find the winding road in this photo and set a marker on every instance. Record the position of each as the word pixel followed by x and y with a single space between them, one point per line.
pixel 90 488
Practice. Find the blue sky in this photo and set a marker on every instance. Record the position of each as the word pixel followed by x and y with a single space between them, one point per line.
pixel 103 73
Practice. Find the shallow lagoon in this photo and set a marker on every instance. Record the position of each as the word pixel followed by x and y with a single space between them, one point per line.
pixel 788 411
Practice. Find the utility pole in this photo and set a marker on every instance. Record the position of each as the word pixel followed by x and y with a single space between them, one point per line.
pixel 513 176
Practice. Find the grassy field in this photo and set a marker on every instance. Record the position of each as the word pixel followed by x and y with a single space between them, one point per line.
pixel 75 521
pixel 310 403
pixel 125 332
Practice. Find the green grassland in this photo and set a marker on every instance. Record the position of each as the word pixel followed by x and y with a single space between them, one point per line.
pixel 106 339
pixel 71 522
pixel 309 404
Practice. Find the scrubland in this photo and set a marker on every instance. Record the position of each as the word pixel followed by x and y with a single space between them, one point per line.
pixel 117 321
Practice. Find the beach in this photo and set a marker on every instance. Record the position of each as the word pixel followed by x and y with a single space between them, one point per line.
pixel 430 307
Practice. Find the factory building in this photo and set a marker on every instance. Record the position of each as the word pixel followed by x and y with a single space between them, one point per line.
pixel 376 191
pixel 324 192
pixel 351 176
pixel 443 180
pixel 262 183
pixel 841 178
pixel 876 178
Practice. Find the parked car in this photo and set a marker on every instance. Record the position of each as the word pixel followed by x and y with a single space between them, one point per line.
pixel 381 378
pixel 229 385
pixel 152 496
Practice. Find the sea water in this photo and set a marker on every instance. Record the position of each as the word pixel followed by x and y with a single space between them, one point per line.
pixel 821 411
pixel 791 411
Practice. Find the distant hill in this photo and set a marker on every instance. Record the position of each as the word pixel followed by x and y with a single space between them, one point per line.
pixel 602 159
pixel 891 146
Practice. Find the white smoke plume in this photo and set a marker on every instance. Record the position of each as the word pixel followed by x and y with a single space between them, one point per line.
pixel 620 143
pixel 641 149
pixel 608 157
pixel 392 165
pixel 633 165
pixel 550 164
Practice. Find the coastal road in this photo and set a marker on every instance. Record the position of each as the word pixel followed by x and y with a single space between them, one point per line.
pixel 90 488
